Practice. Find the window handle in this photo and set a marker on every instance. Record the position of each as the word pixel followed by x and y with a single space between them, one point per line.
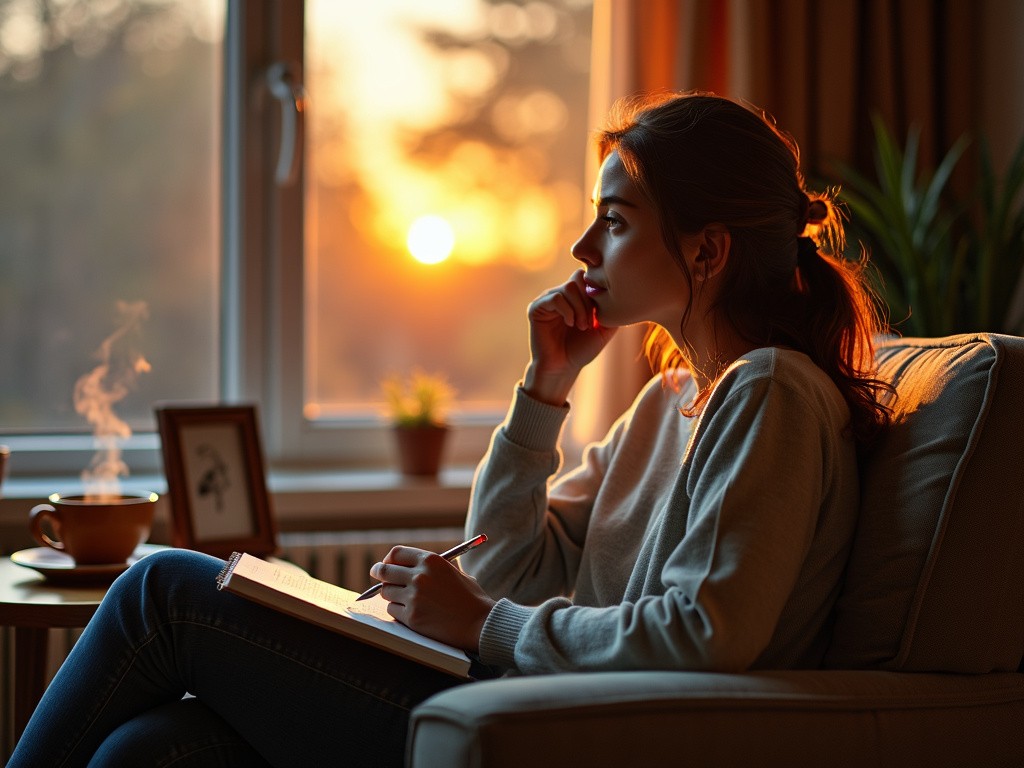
pixel 292 98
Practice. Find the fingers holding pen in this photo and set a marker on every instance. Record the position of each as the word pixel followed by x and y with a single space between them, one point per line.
pixel 432 595
pixel 397 571
pixel 409 573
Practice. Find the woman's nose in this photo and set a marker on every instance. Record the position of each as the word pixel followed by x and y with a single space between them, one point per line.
pixel 583 249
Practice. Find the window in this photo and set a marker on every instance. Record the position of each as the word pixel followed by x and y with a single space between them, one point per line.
pixel 464 115
pixel 109 211
pixel 445 183
pixel 143 184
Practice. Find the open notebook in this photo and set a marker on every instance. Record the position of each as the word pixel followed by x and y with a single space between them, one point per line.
pixel 294 592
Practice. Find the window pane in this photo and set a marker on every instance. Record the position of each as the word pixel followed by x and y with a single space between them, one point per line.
pixel 109 205
pixel 444 187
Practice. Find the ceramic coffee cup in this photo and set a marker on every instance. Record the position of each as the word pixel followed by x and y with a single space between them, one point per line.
pixel 99 531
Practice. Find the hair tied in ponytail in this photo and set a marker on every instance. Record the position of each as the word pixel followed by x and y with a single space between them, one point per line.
pixel 816 211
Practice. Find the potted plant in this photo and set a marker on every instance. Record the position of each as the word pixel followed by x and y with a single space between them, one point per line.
pixel 946 265
pixel 418 406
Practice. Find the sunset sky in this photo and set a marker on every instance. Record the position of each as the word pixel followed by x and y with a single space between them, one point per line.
pixel 385 77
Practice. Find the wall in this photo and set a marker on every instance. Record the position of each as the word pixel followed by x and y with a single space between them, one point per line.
pixel 1002 89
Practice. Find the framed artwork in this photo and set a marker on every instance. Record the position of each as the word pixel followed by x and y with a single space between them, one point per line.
pixel 213 462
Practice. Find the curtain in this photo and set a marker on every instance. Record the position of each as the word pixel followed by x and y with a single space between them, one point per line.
pixel 821 69
pixel 634 50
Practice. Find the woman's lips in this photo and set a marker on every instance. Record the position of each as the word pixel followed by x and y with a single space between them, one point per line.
pixel 592 288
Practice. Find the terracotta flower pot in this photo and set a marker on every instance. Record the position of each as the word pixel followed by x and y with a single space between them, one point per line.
pixel 420 449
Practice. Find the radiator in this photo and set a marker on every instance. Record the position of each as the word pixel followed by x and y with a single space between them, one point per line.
pixel 338 557
pixel 345 557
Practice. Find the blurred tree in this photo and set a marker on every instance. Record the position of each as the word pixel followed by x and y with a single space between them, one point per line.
pixel 109 167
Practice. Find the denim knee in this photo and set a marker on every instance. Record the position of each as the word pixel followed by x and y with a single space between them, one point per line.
pixel 163 583
pixel 183 733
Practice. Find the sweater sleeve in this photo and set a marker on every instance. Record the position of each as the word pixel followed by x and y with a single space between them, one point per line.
pixel 750 490
pixel 535 531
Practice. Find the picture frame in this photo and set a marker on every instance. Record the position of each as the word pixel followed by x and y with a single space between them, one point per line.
pixel 216 483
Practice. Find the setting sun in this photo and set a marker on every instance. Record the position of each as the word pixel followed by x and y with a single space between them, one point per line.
pixel 430 239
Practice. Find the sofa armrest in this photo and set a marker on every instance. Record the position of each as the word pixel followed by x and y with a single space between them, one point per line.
pixel 835 718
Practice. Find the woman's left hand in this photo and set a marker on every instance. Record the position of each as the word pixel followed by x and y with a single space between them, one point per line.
pixel 433 596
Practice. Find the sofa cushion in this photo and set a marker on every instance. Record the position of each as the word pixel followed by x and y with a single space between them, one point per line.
pixel 838 719
pixel 935 580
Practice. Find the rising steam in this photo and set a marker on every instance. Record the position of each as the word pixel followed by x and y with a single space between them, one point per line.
pixel 104 386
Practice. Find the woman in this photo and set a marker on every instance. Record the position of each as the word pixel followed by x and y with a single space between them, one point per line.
pixel 709 530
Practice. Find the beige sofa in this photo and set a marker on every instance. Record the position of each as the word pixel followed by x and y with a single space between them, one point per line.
pixel 929 632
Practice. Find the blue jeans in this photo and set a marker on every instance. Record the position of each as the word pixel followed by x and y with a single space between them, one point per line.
pixel 266 689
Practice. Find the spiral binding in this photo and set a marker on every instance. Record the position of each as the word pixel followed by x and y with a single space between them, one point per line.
pixel 229 566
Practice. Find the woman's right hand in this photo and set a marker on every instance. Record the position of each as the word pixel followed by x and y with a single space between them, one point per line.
pixel 564 337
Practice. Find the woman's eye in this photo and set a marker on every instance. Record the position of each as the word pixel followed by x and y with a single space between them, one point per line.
pixel 610 220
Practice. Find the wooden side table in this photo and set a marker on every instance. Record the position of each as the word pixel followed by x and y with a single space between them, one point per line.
pixel 31 605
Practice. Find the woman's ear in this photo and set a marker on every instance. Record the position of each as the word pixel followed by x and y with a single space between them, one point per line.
pixel 712 252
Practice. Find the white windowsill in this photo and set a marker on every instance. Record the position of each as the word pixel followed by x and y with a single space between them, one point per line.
pixel 301 499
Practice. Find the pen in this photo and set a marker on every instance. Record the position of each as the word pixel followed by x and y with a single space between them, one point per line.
pixel 451 554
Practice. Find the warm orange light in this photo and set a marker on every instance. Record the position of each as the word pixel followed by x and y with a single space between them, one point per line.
pixel 430 239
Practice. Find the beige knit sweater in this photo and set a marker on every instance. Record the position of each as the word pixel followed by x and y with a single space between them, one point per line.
pixel 715 545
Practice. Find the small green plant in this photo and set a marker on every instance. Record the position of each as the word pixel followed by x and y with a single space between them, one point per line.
pixel 946 265
pixel 419 399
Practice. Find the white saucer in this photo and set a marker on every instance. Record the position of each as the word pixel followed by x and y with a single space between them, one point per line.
pixel 60 568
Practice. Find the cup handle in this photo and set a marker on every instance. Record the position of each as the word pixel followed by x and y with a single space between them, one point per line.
pixel 40 514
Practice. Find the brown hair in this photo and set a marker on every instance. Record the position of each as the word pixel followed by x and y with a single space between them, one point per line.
pixel 701 159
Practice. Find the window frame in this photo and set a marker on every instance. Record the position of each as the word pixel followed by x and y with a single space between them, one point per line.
pixel 262 341
pixel 265 310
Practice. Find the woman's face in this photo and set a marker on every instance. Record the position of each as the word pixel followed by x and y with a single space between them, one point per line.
pixel 630 274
